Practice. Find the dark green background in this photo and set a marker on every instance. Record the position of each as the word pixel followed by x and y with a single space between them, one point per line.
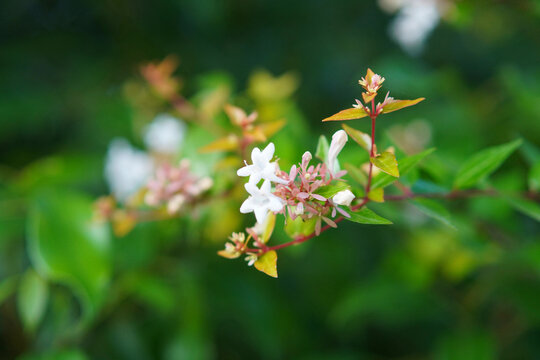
pixel 359 292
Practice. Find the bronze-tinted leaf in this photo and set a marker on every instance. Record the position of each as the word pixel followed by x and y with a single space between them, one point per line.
pixel 348 114
pixel 227 143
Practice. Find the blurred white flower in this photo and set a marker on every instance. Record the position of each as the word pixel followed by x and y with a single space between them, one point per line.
pixel 344 197
pixel 416 19
pixel 126 169
pixel 261 168
pixel 261 201
pixel 338 142
pixel 165 134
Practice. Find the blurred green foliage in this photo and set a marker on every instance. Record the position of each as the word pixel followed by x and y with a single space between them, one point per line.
pixel 415 290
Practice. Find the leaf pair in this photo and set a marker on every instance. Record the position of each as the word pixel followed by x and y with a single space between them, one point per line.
pixel 388 106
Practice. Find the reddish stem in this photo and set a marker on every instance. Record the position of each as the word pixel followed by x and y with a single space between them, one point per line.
pixel 372 150
pixel 303 238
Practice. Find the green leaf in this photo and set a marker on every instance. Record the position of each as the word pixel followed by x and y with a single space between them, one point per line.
pixel 268 263
pixel 65 245
pixel 358 175
pixel 361 138
pixel 330 190
pixel 483 163
pixel 433 209
pixel 387 163
pixel 527 207
pixel 348 114
pixel 405 165
pixel 322 148
pixel 32 299
pixel 298 227
pixel 394 105
pixel 534 177
pixel 366 216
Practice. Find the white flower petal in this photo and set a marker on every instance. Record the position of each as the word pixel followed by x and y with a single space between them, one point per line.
pixel 246 170
pixel 252 189
pixel 275 204
pixel 260 214
pixel 268 152
pixel 247 206
pixel 256 156
pixel 255 178
pixel 266 187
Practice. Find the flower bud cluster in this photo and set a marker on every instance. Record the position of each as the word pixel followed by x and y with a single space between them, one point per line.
pixel 175 186
pixel 300 193
pixel 371 83
pixel 235 247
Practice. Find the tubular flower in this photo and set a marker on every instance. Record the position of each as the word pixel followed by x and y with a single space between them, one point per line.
pixel 338 142
pixel 261 201
pixel 261 168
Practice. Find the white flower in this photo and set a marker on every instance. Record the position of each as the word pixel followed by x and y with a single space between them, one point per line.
pixel 126 169
pixel 413 24
pixel 261 201
pixel 338 142
pixel 165 134
pixel 344 197
pixel 262 168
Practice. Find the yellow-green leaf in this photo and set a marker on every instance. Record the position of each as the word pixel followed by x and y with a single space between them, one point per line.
pixel 363 139
pixel 387 163
pixel 394 105
pixel 376 195
pixel 227 143
pixel 348 114
pixel 405 165
pixel 298 226
pixel 268 264
pixel 269 224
